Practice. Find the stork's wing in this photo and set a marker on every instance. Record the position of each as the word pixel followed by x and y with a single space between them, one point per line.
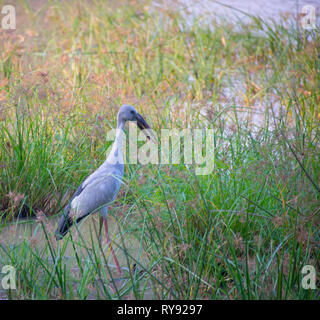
pixel 98 193
pixel 98 190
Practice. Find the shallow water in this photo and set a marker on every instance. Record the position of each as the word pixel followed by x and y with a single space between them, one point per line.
pixel 32 232
pixel 262 113
pixel 276 10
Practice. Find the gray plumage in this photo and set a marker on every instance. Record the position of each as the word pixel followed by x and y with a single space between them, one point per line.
pixel 102 186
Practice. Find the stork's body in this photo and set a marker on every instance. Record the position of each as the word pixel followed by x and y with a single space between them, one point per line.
pixel 102 186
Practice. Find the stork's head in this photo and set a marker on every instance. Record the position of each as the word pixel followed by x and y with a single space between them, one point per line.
pixel 129 113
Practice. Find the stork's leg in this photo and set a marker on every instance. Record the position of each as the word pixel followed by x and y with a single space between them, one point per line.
pixel 104 221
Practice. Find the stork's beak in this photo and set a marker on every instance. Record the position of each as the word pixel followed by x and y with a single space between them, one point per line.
pixel 143 125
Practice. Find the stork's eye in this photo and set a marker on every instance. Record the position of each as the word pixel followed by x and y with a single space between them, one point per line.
pixel 132 112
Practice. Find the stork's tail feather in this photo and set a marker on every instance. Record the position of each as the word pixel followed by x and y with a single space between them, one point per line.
pixel 63 226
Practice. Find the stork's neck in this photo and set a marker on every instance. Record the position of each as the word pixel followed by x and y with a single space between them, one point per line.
pixel 116 154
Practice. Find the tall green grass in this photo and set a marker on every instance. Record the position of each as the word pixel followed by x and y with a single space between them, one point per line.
pixel 243 232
